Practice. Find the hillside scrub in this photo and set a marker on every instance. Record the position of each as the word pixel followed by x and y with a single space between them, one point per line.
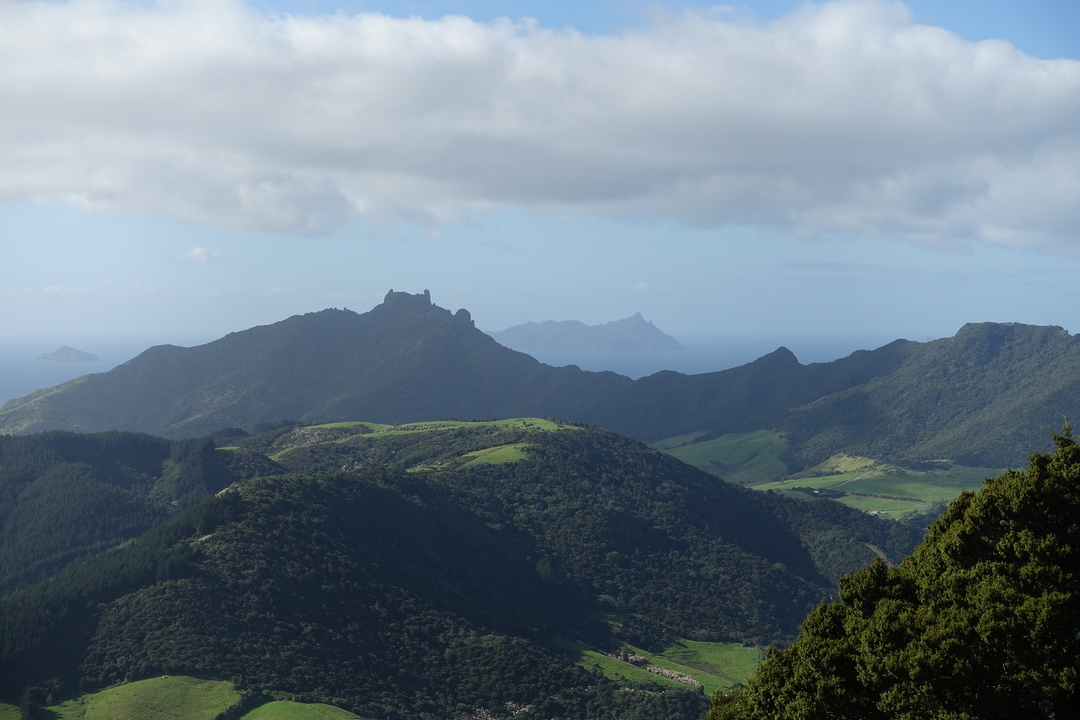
pixel 418 584
pixel 981 622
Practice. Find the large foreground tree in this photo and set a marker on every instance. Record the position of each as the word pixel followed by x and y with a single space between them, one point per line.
pixel 982 621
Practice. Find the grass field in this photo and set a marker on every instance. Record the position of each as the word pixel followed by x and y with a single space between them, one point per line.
pixel 176 697
pixel 714 665
pixel 351 423
pixel 497 455
pixel 614 669
pixel 842 462
pixel 754 459
pixel 9 712
pixel 285 710
pixel 740 458
pixel 492 456
pixel 531 423
pixel 889 489
pixel 171 698
pixel 373 429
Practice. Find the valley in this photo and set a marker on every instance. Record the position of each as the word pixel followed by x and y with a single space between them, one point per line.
pixel 889 489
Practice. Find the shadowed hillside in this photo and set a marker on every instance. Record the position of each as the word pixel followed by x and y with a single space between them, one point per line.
pixel 443 570
pixel 404 360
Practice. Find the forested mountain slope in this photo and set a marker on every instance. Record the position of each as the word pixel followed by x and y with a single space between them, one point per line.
pixel 988 396
pixel 65 496
pixel 436 571
pixel 405 360
pixel 984 397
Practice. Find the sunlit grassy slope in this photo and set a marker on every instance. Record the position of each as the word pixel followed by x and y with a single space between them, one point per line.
pixel 340 432
pixel 179 698
pixel 498 455
pixel 285 710
pixel 754 459
pixel 372 428
pixel 714 665
pixel 888 490
pixel 169 698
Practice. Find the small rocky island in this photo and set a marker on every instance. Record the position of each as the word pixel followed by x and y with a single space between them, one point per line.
pixel 68 354
pixel 631 334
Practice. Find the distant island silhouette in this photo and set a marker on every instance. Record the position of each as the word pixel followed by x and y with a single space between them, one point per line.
pixel 68 354
pixel 630 334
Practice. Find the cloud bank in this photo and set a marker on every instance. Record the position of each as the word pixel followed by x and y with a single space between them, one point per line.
pixel 844 117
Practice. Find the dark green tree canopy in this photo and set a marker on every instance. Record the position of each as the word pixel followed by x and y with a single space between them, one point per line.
pixel 981 622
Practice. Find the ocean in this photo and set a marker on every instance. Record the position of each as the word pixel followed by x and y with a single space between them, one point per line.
pixel 711 353
pixel 21 373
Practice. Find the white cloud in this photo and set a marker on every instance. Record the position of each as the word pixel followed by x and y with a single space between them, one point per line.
pixel 199 254
pixel 844 117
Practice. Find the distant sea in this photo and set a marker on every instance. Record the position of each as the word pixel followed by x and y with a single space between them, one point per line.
pixel 20 373
pixel 711 353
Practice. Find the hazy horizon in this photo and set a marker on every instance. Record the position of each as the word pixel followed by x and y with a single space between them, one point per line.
pixel 21 372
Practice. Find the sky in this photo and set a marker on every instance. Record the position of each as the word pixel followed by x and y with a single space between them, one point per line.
pixel 186 169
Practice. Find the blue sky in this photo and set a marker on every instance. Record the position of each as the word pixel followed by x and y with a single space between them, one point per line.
pixel 190 169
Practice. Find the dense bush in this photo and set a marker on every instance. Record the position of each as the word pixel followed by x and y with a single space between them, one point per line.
pixel 979 623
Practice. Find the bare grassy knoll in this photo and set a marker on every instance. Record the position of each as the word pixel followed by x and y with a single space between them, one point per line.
pixel 160 698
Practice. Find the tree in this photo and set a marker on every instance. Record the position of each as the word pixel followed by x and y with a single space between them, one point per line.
pixel 981 622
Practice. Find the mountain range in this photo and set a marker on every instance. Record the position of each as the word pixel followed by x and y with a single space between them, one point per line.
pixel 375 554
pixel 630 334
pixel 986 397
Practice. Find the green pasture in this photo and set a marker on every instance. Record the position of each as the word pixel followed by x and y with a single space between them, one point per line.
pixel 714 665
pixel 613 669
pixel 435 426
pixel 497 455
pixel 494 456
pixel 738 458
pixel 286 710
pixel 890 489
pixel 883 506
pixel 9 712
pixel 818 483
pixel 508 424
pixel 176 698
pixel 353 423
pixel 842 462
pixel 168 698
